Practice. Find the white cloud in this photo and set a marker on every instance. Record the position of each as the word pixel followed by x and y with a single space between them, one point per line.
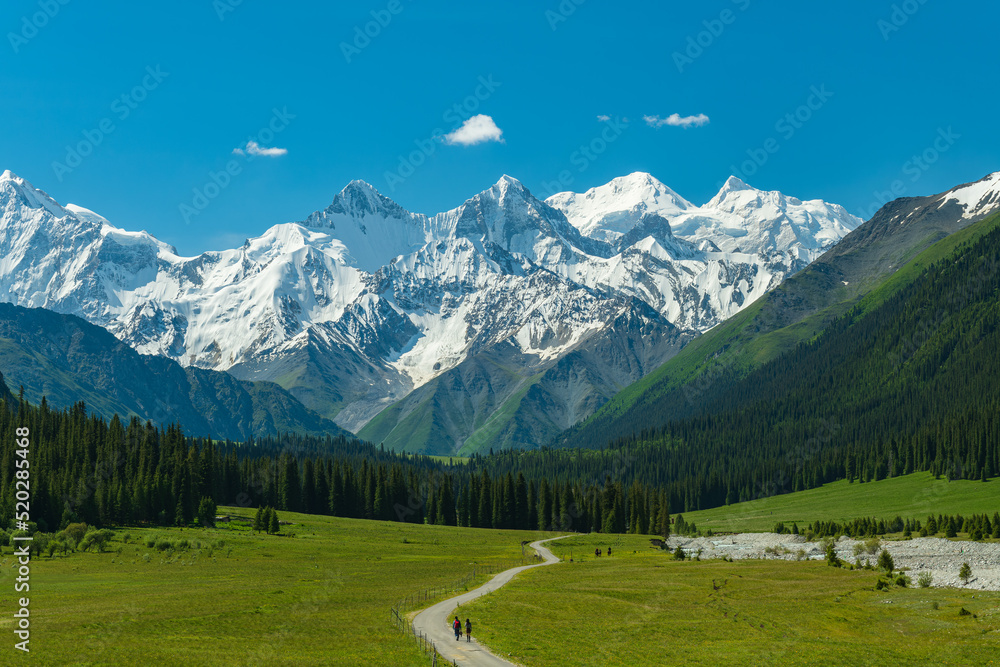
pixel 603 118
pixel 675 120
pixel 476 130
pixel 253 148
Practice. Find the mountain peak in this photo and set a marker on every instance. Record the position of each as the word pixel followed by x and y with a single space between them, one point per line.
pixel 359 199
pixel 29 195
pixel 608 211
pixel 509 184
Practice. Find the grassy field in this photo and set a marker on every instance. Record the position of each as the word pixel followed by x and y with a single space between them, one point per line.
pixel 321 597
pixel 913 496
pixel 640 607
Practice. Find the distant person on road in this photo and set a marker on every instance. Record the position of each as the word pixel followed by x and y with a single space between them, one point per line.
pixel 468 630
pixel 458 628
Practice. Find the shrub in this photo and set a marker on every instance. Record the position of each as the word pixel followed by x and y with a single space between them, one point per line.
pixel 4 538
pixel 150 542
pixel 97 538
pixel 925 579
pixel 163 544
pixel 73 534
pixel 965 573
pixel 964 612
pixel 902 581
pixel 679 553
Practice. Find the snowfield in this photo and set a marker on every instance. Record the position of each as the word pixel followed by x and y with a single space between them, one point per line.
pixel 942 558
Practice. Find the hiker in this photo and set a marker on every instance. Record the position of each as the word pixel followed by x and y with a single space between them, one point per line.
pixel 458 628
pixel 468 630
pixel 609 551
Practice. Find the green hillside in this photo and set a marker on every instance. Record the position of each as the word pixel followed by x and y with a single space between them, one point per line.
pixel 911 496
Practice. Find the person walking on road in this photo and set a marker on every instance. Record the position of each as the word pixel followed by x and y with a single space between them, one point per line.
pixel 468 630
pixel 458 628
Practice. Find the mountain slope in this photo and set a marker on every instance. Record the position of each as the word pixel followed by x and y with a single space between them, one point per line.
pixel 68 360
pixel 798 310
pixel 499 399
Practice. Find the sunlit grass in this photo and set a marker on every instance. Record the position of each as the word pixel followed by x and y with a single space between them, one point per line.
pixel 640 607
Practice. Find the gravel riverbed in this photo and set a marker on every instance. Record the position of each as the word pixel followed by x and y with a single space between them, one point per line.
pixel 942 558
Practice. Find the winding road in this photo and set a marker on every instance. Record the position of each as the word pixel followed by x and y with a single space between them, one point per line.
pixel 435 622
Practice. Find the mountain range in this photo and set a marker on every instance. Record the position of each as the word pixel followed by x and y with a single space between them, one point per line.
pixel 497 324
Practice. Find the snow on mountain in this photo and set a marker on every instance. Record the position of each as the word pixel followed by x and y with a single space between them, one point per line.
pixel 610 211
pixel 698 265
pixel 978 199
pixel 364 301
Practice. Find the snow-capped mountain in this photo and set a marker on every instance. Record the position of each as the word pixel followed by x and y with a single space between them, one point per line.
pixel 361 303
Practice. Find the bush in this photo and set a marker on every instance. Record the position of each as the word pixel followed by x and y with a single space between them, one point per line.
pixel 4 538
pixel 73 534
pixel 925 579
pixel 96 538
pixel 965 573
pixel 964 612
pixel 679 554
pixel 902 581
pixel 150 542
pixel 163 544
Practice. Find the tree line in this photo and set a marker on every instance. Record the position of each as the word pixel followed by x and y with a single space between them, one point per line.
pixel 86 470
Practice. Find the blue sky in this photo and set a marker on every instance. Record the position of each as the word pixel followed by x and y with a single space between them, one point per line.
pixel 160 94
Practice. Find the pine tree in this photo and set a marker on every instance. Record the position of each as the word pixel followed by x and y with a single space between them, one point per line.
pixel 274 525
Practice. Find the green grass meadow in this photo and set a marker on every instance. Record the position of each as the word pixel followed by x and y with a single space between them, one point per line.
pixel 911 496
pixel 321 597
pixel 641 607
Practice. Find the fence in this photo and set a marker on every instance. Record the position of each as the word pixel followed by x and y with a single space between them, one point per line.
pixel 398 612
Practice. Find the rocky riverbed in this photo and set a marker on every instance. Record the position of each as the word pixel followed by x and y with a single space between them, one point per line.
pixel 942 558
